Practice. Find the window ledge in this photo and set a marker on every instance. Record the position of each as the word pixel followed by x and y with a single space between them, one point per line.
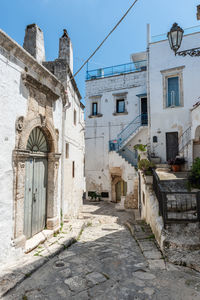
pixel 173 106
pixel 95 116
pixel 120 114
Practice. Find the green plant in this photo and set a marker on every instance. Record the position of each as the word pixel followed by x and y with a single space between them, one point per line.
pixel 146 166
pixel 194 176
pixel 140 147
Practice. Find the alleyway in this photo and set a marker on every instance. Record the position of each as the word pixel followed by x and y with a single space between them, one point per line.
pixel 106 264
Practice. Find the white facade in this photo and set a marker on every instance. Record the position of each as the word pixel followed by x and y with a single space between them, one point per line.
pixel 31 96
pixel 101 168
pixel 163 64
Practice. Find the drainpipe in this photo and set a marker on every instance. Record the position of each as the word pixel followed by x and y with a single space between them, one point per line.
pixel 65 108
pixel 148 86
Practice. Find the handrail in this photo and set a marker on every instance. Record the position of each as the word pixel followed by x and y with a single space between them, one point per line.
pixel 130 129
pixel 118 69
pixel 141 120
pixel 185 135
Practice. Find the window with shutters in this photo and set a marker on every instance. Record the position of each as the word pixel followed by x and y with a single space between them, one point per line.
pixel 173 95
pixel 94 108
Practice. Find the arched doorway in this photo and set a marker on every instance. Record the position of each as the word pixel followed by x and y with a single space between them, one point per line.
pixel 36 178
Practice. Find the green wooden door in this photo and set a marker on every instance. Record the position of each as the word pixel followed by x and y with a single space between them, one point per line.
pixel 118 191
pixel 35 196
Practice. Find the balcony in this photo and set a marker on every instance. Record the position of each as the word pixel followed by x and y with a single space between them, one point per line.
pixel 117 70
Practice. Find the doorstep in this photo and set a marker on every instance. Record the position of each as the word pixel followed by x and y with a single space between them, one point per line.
pixel 37 239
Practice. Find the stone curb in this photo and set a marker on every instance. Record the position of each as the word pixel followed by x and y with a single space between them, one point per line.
pixel 38 264
pixel 153 257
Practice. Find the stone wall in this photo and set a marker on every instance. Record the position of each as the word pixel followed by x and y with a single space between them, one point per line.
pixel 150 210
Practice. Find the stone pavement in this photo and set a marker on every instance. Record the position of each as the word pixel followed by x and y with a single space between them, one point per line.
pixel 106 263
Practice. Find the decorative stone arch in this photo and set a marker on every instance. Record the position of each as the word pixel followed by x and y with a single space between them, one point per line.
pixel 46 126
pixel 115 180
pixel 20 155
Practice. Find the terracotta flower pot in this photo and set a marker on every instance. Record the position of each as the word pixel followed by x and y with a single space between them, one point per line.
pixel 176 168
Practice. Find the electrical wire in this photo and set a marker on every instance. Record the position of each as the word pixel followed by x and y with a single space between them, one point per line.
pixel 126 13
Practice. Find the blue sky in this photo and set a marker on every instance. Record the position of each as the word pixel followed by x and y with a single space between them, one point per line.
pixel 88 21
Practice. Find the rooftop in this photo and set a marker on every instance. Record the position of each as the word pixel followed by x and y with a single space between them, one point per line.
pixel 117 70
pixel 162 37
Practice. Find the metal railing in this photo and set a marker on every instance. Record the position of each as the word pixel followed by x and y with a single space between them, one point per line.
pixel 176 207
pixel 184 139
pixel 116 70
pixel 162 37
pixel 130 129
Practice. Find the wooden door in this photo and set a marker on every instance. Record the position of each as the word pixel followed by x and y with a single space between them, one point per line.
pixel 171 145
pixel 118 191
pixel 35 196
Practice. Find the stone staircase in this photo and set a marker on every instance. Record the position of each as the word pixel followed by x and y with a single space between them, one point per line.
pixel 116 160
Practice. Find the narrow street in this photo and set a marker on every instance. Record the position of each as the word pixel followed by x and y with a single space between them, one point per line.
pixel 106 263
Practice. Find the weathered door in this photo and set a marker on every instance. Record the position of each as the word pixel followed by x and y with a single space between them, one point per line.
pixel 35 196
pixel 171 145
pixel 118 191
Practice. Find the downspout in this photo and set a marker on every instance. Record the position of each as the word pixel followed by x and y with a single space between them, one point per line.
pixel 65 107
pixel 148 88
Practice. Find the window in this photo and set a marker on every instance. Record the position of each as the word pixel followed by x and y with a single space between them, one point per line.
pixel 74 117
pixel 173 97
pixel 66 150
pixel 73 169
pixel 120 106
pixel 94 108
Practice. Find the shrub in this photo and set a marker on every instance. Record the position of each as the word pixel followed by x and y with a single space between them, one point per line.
pixel 140 147
pixel 146 166
pixel 194 176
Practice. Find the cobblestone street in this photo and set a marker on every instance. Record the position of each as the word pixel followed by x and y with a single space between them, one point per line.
pixel 107 263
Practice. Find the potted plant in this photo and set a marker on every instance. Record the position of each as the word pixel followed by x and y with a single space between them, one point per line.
pixel 142 151
pixel 176 163
pixel 146 167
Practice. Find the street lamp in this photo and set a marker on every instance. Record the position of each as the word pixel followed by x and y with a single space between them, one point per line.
pixel 175 36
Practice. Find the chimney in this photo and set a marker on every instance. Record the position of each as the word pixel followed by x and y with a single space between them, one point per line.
pixel 198 12
pixel 65 49
pixel 34 42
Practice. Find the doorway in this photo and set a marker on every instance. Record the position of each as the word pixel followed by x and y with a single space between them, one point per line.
pixel 35 184
pixel 144 120
pixel 171 145
pixel 120 190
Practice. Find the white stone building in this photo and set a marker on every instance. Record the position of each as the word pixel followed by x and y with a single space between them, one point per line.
pixel 42 141
pixel 174 90
pixel 116 120
pixel 115 99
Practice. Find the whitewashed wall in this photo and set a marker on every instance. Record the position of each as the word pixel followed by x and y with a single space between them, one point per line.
pixel 13 104
pixel 178 119
pixel 74 135
pixel 100 130
pixel 14 101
